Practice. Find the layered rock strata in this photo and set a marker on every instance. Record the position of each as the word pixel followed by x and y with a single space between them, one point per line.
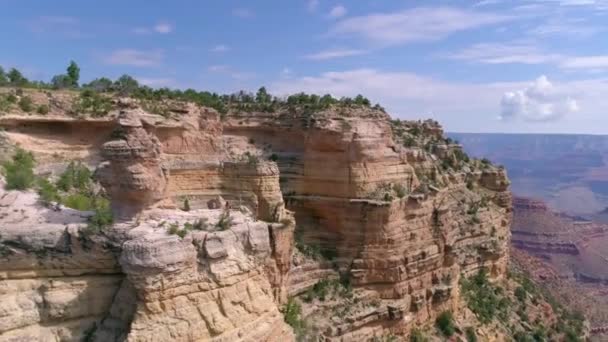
pixel 393 208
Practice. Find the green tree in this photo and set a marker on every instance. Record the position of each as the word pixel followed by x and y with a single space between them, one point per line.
pixel 126 85
pixel 61 81
pixel 3 78
pixel 16 78
pixel 262 96
pixel 101 85
pixel 73 73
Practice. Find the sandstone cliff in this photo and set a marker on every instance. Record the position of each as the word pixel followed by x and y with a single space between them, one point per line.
pixel 222 223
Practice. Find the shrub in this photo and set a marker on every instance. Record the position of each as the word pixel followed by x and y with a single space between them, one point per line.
pixel 445 323
pixel 200 224
pixel 292 312
pixel 186 205
pixel 78 201
pixel 417 336
pixel 42 109
pixel 76 176
pixel 10 98
pixel 102 216
pixel 483 298
pixel 173 229
pixel 47 191
pixel 26 104
pixel 521 294
pixel 225 221
pixel 400 190
pixel 91 102
pixel 470 334
pixel 19 172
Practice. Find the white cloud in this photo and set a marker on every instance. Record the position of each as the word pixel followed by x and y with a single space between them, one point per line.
pixel 337 12
pixel 163 28
pixel 541 101
pixel 586 62
pixel 133 57
pixel 403 92
pixel 234 74
pixel 160 27
pixel 312 5
pixel 527 53
pixel 242 13
pixel 487 3
pixel 505 53
pixel 220 48
pixel 336 53
pixel 459 106
pixel 415 25
pixel 218 68
pixel 157 82
pixel 65 26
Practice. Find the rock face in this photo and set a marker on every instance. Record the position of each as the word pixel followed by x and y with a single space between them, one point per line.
pixel 391 207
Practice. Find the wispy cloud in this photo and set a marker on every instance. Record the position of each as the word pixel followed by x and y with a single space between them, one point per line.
pixel 337 12
pixel 160 27
pixel 137 58
pixel 505 53
pixel 334 53
pixel 312 5
pixel 231 72
pixel 157 82
pixel 586 62
pixel 242 12
pixel 415 25
pixel 220 48
pixel 527 53
pixel 65 26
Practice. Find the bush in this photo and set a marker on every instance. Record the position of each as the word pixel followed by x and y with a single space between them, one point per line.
pixel 186 205
pixel 78 201
pixel 417 336
pixel 19 172
pixel 445 323
pixel 76 176
pixel 102 216
pixel 42 109
pixel 47 191
pixel 292 312
pixel 26 104
pixel 225 221
pixel 521 294
pixel 483 298
pixel 92 103
pixel 470 334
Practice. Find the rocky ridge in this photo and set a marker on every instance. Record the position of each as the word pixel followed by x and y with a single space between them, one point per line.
pixel 390 213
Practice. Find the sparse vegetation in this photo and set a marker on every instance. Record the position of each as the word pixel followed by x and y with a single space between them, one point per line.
pixel 26 104
pixel 225 221
pixel 445 324
pixel 42 109
pixel 19 172
pixel 91 103
pixel 417 336
pixel 292 312
pixel 484 299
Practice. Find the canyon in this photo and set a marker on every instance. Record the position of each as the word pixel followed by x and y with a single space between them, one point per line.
pixel 224 222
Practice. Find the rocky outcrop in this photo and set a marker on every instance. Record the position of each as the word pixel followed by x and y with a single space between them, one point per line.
pixel 389 208
pixel 56 282
pixel 210 285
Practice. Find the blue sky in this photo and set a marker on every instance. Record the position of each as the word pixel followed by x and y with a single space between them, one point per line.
pixel 476 66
